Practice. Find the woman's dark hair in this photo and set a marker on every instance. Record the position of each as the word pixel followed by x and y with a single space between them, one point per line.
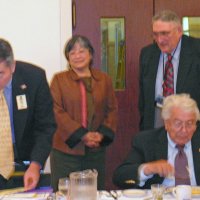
pixel 83 41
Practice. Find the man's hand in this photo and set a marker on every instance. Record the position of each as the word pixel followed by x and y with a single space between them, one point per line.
pixel 161 167
pixel 32 176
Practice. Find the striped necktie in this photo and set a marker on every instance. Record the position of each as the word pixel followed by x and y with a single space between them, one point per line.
pixel 6 146
pixel 168 83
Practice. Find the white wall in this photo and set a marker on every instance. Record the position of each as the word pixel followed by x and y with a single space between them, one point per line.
pixel 37 30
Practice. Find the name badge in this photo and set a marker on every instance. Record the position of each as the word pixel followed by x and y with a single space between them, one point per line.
pixel 21 102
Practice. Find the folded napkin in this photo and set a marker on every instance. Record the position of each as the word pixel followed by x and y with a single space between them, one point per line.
pixel 20 194
pixel 124 195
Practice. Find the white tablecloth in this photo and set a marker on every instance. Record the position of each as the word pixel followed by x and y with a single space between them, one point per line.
pixel 104 195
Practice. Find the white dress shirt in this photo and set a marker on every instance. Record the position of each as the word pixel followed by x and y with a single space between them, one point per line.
pixel 172 151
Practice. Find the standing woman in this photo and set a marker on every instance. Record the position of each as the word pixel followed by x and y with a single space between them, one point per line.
pixel 85 108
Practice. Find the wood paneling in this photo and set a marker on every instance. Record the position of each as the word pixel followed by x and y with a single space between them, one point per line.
pixel 181 7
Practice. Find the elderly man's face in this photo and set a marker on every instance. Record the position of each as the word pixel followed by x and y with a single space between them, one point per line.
pixel 166 35
pixel 181 126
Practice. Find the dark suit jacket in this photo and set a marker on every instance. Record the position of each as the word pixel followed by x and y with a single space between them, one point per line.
pixel 150 146
pixel 188 79
pixel 34 126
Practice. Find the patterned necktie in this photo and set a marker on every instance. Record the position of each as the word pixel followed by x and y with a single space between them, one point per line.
pixel 6 146
pixel 168 84
pixel 181 167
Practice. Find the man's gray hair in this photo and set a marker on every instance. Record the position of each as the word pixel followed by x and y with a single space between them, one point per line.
pixel 182 101
pixel 167 16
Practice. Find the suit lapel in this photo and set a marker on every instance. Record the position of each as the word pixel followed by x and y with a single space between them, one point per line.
pixel 19 116
pixel 162 146
pixel 184 64
pixel 153 68
pixel 161 152
pixel 196 155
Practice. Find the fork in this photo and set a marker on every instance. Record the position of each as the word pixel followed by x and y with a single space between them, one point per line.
pixel 114 194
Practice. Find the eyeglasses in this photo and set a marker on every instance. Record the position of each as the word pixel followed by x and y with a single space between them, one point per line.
pixel 163 34
pixel 177 124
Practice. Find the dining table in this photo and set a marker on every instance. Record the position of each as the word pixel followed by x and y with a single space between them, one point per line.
pixel 139 194
pixel 46 193
pixel 41 193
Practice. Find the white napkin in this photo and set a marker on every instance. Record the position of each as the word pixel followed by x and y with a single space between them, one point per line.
pixel 105 195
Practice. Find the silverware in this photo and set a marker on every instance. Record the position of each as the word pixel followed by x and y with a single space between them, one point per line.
pixel 114 194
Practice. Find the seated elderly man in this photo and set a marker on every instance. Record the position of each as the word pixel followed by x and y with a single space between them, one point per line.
pixel 168 155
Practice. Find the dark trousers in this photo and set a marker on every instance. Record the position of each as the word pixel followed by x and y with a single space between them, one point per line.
pixel 63 164
pixel 13 182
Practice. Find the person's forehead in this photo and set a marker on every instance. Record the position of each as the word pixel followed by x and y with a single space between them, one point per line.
pixel 78 45
pixel 163 26
pixel 181 114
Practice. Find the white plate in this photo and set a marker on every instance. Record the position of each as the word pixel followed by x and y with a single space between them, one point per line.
pixel 134 193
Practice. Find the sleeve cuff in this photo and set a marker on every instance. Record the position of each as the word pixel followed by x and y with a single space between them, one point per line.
pixel 75 138
pixel 108 135
pixel 141 176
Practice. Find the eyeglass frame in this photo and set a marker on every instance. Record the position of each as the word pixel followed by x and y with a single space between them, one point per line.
pixel 178 124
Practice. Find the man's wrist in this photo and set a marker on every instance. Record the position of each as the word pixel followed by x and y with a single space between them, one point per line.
pixel 36 164
pixel 142 177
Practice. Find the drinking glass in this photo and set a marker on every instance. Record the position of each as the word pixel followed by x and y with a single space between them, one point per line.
pixel 157 191
pixel 63 186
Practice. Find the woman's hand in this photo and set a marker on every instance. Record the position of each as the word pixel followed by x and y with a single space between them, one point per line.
pixel 92 139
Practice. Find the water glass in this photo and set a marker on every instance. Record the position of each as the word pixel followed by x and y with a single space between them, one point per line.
pixel 63 186
pixel 157 191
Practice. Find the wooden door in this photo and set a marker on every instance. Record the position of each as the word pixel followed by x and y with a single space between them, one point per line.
pixel 181 7
pixel 137 14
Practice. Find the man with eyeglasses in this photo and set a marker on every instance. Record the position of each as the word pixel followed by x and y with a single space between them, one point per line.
pixel 184 53
pixel 154 153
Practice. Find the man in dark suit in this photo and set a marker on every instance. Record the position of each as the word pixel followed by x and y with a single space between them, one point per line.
pixel 153 154
pixel 30 106
pixel 185 52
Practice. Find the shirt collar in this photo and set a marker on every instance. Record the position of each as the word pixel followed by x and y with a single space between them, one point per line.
pixel 94 74
pixel 173 144
pixel 175 52
pixel 9 85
